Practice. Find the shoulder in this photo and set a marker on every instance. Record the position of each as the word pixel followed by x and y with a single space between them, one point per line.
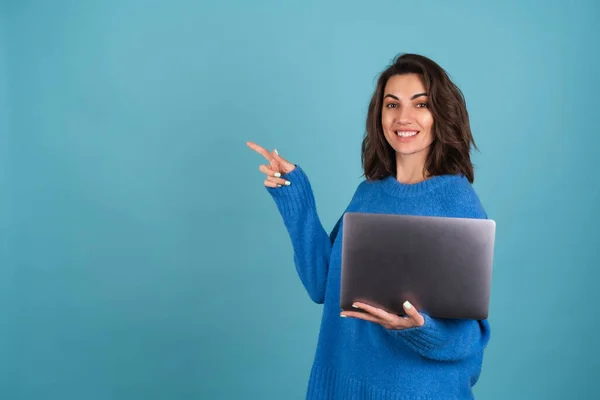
pixel 368 188
pixel 366 192
pixel 361 190
pixel 461 201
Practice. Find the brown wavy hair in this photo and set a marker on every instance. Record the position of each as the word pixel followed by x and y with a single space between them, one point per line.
pixel 449 152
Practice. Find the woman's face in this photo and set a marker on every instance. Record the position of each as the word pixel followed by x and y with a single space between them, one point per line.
pixel 405 115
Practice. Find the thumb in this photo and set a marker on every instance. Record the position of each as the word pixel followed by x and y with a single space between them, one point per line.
pixel 286 166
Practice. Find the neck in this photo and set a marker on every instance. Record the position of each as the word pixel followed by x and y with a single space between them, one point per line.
pixel 411 168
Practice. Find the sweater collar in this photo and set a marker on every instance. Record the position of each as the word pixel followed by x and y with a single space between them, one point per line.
pixel 399 189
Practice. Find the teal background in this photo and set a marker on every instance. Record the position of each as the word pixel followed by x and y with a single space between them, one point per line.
pixel 141 256
pixel 6 264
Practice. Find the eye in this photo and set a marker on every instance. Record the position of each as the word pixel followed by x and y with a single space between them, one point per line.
pixel 390 105
pixel 422 105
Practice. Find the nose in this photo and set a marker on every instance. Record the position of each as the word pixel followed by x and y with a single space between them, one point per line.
pixel 403 115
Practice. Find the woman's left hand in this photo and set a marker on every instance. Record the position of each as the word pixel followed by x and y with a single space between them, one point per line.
pixel 390 321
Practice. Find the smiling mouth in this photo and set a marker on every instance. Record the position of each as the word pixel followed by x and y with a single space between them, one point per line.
pixel 406 134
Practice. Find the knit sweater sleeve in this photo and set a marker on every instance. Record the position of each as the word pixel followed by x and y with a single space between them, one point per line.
pixel 447 339
pixel 311 243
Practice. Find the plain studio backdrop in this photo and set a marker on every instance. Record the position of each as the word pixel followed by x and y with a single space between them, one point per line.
pixel 142 257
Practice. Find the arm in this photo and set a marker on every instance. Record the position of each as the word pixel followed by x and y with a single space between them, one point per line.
pixel 446 339
pixel 433 338
pixel 311 243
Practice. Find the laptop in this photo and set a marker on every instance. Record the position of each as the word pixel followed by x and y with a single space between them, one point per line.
pixel 443 266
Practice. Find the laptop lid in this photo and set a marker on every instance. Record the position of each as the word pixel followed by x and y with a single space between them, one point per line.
pixel 442 265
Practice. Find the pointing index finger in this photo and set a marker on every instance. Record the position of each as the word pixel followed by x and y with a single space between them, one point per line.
pixel 266 154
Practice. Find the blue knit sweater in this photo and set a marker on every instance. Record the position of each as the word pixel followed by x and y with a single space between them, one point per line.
pixel 357 359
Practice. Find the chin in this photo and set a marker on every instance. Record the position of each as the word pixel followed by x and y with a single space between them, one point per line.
pixel 408 152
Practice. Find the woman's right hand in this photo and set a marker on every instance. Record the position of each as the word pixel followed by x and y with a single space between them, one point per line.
pixel 277 166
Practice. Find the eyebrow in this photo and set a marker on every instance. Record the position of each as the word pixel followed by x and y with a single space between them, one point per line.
pixel 412 98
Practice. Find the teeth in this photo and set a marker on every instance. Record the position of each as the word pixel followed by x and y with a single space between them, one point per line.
pixel 406 134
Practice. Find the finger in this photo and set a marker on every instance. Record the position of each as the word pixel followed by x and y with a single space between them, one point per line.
pixel 279 181
pixel 363 316
pixel 285 164
pixel 275 166
pixel 265 169
pixel 262 151
pixel 414 315
pixel 271 184
pixel 379 313
pixel 389 320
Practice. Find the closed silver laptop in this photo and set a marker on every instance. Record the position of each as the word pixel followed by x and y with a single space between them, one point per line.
pixel 443 266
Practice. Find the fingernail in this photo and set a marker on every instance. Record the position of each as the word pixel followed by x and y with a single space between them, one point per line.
pixel 355 306
pixel 276 152
pixel 288 183
pixel 277 174
pixel 278 185
pixel 343 316
pixel 407 305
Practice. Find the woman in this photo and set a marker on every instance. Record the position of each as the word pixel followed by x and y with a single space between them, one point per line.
pixel 416 160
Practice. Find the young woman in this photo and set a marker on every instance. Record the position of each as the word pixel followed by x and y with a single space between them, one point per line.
pixel 416 160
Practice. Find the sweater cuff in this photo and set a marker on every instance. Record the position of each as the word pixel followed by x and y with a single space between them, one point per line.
pixel 294 198
pixel 423 338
